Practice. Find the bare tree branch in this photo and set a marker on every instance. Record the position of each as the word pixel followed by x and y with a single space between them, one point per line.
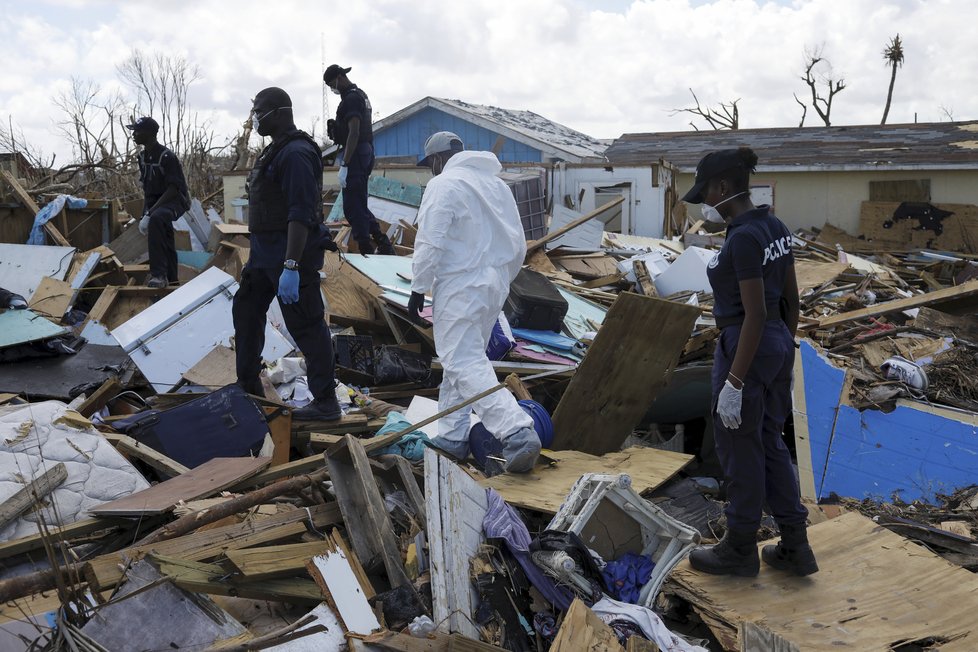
pixel 727 116
pixel 822 105
pixel 804 110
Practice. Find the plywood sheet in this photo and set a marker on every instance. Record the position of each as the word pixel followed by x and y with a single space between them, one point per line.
pixel 215 370
pixel 205 480
pixel 630 360
pixel 52 298
pixel 875 590
pixel 23 326
pixel 545 488
pixel 954 227
pixel 812 274
pixel 583 630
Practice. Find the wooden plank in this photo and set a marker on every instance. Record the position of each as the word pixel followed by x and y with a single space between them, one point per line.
pixel 198 577
pixel 27 496
pixel 214 370
pixel 813 274
pixel 875 591
pixel 339 543
pixel 335 577
pixel 639 644
pixel 52 298
pixel 97 400
pixel 105 571
pixel 546 487
pixel 268 562
pixel 296 467
pixel 803 446
pixel 129 446
pixel 583 630
pixel 937 298
pixel 553 235
pixel 455 506
pixel 942 323
pixel 280 430
pixel 33 542
pixel 364 514
pixel 644 279
pixel 50 229
pixel 624 369
pixel 349 293
pixel 209 478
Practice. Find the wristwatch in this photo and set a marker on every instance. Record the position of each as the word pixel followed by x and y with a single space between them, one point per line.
pixel 291 264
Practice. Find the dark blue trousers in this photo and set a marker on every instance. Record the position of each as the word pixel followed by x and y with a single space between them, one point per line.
pixel 305 320
pixel 363 224
pixel 161 244
pixel 756 463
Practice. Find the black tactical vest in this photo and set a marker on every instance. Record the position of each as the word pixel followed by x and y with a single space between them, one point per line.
pixel 268 209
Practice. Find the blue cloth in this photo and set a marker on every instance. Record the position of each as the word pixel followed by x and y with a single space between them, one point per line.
pixel 52 208
pixel 626 576
pixel 758 245
pixel 411 446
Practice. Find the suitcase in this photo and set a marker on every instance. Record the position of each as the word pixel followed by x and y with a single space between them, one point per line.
pixel 225 423
pixel 535 303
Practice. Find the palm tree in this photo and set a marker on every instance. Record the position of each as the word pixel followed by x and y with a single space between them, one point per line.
pixel 893 55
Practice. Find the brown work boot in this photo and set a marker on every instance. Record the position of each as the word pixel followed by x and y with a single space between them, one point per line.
pixel 735 554
pixel 792 553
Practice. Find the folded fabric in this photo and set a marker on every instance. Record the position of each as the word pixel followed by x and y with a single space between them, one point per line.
pixel 648 621
pixel 411 446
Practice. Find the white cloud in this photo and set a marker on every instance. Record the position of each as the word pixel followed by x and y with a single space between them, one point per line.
pixel 601 67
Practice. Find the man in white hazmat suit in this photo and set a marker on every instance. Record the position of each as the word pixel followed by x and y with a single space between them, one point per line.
pixel 468 249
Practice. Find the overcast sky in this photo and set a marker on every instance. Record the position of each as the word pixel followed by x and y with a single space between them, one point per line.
pixel 602 67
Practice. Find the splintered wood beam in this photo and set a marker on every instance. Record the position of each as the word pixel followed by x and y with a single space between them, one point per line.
pixel 31 493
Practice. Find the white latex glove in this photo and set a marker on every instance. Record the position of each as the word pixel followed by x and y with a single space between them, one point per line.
pixel 144 224
pixel 728 405
pixel 343 172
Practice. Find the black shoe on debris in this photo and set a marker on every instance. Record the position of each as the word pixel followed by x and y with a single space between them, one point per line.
pixel 735 554
pixel 321 409
pixel 792 553
pixel 157 282
pixel 365 246
pixel 384 246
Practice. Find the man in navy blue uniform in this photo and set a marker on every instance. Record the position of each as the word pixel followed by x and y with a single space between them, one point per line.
pixel 288 237
pixel 165 199
pixel 353 131
pixel 755 295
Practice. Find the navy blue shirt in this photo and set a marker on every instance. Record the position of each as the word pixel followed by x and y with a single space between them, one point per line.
pixel 160 168
pixel 296 169
pixel 758 245
pixel 354 103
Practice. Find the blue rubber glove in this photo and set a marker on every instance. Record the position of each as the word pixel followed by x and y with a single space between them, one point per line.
pixel 288 286
pixel 343 172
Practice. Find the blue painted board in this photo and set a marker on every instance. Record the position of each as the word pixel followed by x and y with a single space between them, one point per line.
pixel 549 338
pixel 909 452
pixel 23 326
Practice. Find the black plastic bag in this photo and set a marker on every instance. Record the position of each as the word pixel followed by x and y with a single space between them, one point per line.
pixel 392 364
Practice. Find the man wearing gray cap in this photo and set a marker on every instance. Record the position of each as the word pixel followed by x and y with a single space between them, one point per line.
pixel 469 248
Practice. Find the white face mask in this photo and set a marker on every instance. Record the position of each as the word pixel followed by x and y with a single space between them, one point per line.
pixel 711 214
pixel 335 89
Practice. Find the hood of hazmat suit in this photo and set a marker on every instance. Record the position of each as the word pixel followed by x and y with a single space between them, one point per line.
pixel 468 249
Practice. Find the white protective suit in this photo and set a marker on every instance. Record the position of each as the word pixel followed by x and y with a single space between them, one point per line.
pixel 469 248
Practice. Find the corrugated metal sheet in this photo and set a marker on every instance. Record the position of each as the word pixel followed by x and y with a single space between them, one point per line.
pixel 950 144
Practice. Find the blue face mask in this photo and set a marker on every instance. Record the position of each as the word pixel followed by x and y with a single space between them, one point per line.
pixel 711 214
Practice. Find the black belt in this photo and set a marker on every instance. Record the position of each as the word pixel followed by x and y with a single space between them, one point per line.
pixel 725 322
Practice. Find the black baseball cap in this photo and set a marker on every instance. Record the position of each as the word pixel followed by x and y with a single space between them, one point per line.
pixel 333 72
pixel 710 166
pixel 144 124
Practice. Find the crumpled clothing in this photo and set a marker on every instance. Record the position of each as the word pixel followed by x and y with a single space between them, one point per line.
pixel 626 576
pixel 51 209
pixel 545 625
pixel 503 522
pixel 648 621
pixel 411 446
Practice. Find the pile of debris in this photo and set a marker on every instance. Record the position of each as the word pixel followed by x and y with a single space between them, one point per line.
pixel 143 488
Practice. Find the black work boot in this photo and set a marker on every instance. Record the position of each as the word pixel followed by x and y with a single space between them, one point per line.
pixel 792 553
pixel 735 554
pixel 365 246
pixel 384 246
pixel 321 409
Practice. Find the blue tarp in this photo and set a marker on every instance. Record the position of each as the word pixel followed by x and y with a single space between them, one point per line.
pixel 51 209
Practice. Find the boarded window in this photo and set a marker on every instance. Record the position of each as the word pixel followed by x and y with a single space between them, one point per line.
pixel 900 191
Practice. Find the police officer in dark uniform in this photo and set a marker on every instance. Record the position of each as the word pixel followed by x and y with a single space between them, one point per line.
pixel 755 295
pixel 353 131
pixel 288 237
pixel 165 199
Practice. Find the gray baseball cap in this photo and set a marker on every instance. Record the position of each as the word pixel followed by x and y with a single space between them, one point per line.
pixel 442 141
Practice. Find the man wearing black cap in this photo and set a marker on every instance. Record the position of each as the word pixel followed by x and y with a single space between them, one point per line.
pixel 288 237
pixel 353 131
pixel 165 199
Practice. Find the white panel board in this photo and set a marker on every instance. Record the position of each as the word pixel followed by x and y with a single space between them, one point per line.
pixel 175 333
pixel 23 266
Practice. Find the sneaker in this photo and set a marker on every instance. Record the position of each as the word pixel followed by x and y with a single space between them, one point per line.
pixel 157 282
pixel 321 409
pixel 909 373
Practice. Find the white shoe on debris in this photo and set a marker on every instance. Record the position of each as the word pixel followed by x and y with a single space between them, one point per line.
pixel 909 373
